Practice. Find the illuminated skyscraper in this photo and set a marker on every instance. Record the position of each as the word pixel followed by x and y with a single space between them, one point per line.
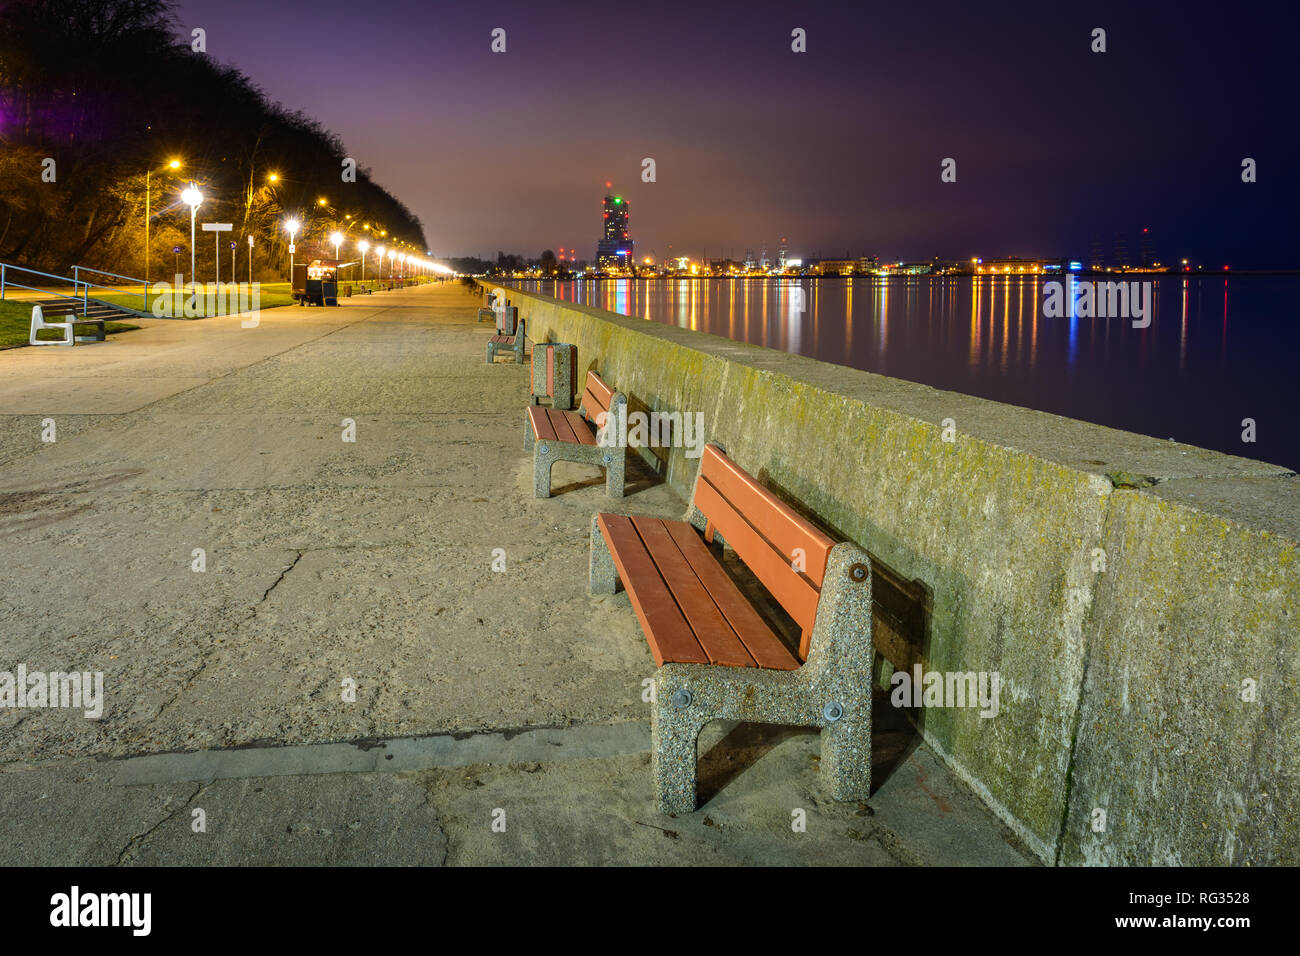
pixel 615 249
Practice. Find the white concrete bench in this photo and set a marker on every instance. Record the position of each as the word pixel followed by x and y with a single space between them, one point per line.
pixel 69 333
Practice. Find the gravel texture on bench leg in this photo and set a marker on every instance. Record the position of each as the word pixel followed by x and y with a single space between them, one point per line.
pixel 615 462
pixel 491 352
pixel 542 462
pixel 842 656
pixel 602 576
pixel 674 736
pixel 528 431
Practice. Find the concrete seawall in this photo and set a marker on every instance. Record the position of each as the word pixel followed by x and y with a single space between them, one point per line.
pixel 1138 598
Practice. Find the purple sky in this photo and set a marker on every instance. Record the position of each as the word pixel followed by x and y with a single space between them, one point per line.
pixel 837 149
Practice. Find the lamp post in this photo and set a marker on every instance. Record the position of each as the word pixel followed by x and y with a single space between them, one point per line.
pixel 401 260
pixel 148 173
pixel 192 198
pixel 337 239
pixel 364 247
pixel 392 254
pixel 292 226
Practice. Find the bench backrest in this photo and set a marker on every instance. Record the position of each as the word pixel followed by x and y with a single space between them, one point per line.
pixel 596 398
pixel 783 549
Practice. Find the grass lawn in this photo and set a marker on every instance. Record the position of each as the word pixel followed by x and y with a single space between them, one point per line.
pixel 16 325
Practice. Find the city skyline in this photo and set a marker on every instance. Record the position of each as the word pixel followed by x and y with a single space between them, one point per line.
pixel 838 147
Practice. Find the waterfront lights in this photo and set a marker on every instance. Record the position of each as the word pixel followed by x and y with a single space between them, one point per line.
pixel 192 198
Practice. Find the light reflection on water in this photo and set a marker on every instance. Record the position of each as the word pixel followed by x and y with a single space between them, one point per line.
pixel 1218 350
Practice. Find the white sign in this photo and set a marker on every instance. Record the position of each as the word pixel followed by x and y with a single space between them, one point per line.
pixel 292 249
pixel 250 242
pixel 217 227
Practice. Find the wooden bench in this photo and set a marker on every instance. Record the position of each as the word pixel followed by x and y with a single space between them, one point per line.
pixel 507 343
pixel 488 310
pixel 553 434
pixel 66 327
pixel 718 658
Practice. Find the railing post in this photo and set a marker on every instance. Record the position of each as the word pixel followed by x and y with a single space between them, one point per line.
pixel 2 281
pixel 85 298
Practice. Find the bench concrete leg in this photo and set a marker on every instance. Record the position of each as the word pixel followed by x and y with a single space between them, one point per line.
pixel 674 738
pixel 846 754
pixel 614 472
pixel 602 576
pixel 542 462
pixel 528 432
pixel 491 353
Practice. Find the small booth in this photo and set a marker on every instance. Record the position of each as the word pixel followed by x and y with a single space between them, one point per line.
pixel 316 283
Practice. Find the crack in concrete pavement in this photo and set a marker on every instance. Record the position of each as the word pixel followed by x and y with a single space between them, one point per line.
pixel 277 581
pixel 135 841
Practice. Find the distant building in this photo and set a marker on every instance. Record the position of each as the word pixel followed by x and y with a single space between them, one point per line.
pixel 615 250
pixel 1019 266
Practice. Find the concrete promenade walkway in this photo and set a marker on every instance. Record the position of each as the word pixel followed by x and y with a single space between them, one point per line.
pixel 330 562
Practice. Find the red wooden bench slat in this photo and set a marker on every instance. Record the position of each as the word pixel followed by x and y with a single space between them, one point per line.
pixel 599 390
pixel 563 429
pixel 503 339
pixel 666 631
pixel 794 592
pixel 763 645
pixel 775 520
pixel 709 625
pixel 580 428
pixel 541 423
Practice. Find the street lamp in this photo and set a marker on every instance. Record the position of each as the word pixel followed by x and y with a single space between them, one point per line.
pixel 148 173
pixel 392 254
pixel 379 254
pixel 364 247
pixel 402 260
pixel 292 226
pixel 192 198
pixel 337 239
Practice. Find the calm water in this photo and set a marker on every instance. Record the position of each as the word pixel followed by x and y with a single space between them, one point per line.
pixel 1218 350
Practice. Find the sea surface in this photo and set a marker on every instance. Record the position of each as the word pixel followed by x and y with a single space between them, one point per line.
pixel 1217 350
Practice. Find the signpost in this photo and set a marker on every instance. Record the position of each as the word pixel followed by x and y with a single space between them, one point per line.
pixel 250 262
pixel 217 228
pixel 232 262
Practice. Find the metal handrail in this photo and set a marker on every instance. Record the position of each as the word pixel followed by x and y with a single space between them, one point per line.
pixel 112 288
pixel 103 272
pixel 32 288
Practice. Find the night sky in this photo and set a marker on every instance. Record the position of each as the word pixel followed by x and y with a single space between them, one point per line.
pixel 837 149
